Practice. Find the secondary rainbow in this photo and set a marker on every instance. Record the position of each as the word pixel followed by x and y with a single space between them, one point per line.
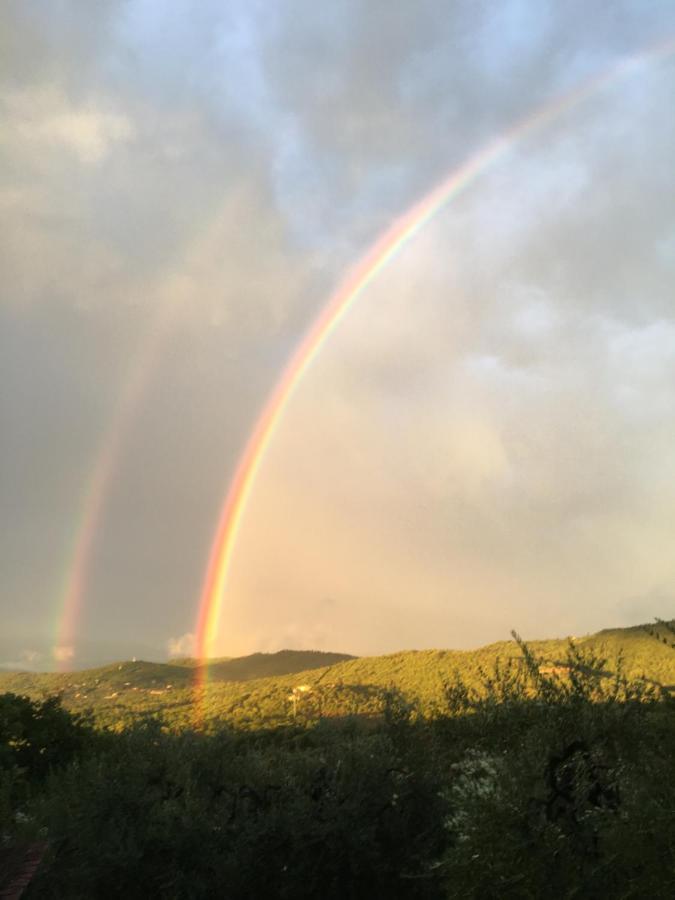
pixel 338 305
pixel 98 486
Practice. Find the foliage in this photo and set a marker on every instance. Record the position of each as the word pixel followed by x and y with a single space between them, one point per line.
pixel 534 775
pixel 37 736
pixel 294 814
pixel 119 695
pixel 564 790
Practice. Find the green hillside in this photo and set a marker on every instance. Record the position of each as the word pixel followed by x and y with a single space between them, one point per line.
pixel 150 685
pixel 114 677
pixel 267 665
pixel 258 689
pixel 537 774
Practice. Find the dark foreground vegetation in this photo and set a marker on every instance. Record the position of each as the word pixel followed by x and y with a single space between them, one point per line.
pixel 532 781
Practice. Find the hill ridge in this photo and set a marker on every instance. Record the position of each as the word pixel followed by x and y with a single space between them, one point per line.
pixel 260 688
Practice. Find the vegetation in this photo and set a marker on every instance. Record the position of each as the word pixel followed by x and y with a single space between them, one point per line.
pixel 540 773
pixel 256 691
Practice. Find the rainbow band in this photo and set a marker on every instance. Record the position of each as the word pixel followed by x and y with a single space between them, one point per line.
pixel 101 479
pixel 337 307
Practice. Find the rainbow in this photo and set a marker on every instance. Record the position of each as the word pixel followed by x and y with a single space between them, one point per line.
pixel 97 488
pixel 72 593
pixel 386 247
pixel 98 485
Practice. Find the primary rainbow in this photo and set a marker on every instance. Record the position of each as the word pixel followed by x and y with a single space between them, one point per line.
pixel 338 305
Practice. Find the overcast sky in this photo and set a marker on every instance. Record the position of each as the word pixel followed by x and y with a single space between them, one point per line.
pixel 487 440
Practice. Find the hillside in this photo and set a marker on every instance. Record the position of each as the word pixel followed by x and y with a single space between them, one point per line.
pixel 521 794
pixel 266 665
pixel 552 779
pixel 94 684
pixel 258 689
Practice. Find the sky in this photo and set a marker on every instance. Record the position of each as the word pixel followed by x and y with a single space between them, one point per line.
pixel 486 440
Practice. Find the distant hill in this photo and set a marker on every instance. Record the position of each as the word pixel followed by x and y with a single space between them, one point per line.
pixel 175 674
pixel 266 665
pixel 259 689
pixel 102 680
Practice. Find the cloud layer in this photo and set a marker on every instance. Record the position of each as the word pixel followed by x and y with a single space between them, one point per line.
pixel 485 443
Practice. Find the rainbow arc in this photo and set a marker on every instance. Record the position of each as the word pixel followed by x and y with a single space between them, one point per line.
pixel 385 248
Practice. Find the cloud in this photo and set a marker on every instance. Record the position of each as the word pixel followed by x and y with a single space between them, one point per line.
pixel 184 645
pixel 490 424
pixel 42 120
pixel 479 427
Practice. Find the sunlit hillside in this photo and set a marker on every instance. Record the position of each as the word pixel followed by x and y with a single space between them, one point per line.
pixel 258 690
pixel 155 679
pixel 548 763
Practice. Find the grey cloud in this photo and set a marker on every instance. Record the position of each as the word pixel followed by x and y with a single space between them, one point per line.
pixel 60 43
pixel 413 89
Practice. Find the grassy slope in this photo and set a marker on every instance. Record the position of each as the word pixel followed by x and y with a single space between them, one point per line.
pixel 341 684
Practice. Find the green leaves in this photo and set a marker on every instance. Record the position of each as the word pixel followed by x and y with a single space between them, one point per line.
pixel 538 770
pixel 36 736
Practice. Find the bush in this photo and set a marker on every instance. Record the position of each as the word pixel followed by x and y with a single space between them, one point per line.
pixel 37 736
pixel 307 815
pixel 527 783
